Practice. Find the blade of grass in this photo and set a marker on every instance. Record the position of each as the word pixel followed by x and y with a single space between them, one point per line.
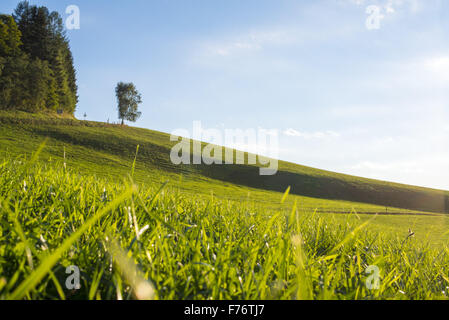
pixel 31 281
pixel 142 288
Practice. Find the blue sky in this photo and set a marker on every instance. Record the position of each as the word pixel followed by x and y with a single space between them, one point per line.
pixel 373 103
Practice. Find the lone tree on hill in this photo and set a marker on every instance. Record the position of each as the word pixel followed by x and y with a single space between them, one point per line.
pixel 128 99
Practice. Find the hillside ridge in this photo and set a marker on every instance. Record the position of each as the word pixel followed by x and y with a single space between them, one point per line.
pixel 155 148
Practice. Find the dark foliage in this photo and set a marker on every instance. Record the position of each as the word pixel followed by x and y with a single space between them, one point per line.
pixel 36 64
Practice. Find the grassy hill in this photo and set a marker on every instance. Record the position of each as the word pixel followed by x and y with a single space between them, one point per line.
pixel 92 146
pixel 82 202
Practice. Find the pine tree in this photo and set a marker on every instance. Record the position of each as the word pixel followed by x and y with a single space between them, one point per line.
pixel 12 64
pixel 36 64
pixel 62 86
pixel 10 37
pixel 44 38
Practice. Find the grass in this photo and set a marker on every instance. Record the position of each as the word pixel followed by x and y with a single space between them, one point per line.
pixel 92 146
pixel 192 247
pixel 137 227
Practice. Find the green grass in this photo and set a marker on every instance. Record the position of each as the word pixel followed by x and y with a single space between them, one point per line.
pixel 192 247
pixel 108 151
pixel 139 227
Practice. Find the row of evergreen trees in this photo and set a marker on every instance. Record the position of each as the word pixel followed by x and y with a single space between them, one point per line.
pixel 36 64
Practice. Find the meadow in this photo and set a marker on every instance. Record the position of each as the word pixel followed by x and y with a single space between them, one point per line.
pixel 138 228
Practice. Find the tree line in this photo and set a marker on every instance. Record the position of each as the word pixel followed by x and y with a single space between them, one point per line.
pixel 36 63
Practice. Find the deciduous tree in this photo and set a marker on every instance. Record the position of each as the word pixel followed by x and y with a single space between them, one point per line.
pixel 128 100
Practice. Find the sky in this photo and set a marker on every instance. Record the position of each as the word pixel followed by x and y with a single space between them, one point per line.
pixel 350 87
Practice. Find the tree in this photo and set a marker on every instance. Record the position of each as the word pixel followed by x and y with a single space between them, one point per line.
pixel 13 65
pixel 44 38
pixel 10 36
pixel 128 99
pixel 38 76
pixel 36 64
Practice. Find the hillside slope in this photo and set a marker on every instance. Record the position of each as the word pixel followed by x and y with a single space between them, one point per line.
pixel 96 146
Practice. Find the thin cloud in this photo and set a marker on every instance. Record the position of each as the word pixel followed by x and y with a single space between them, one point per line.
pixel 310 135
pixel 251 41
pixel 390 6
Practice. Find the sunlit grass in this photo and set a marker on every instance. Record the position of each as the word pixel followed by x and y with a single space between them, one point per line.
pixel 152 241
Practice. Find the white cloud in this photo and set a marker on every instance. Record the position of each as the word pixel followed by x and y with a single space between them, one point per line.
pixel 382 169
pixel 311 135
pixel 251 41
pixel 425 170
pixel 390 6
pixel 286 36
